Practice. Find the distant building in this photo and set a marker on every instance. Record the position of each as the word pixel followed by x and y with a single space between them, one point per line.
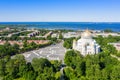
pixel 2 42
pixel 48 34
pixel 5 29
pixel 55 35
pixel 116 45
pixel 38 41
pixel 33 34
pixel 86 45
pixel 106 34
pixel 20 43
pixel 71 34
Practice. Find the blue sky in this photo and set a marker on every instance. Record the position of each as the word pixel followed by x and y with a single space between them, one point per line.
pixel 60 10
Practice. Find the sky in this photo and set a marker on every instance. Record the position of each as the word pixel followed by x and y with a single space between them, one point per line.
pixel 59 10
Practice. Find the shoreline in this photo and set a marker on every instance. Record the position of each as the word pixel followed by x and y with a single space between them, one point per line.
pixel 114 26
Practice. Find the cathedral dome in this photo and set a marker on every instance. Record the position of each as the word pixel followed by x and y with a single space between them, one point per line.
pixel 86 35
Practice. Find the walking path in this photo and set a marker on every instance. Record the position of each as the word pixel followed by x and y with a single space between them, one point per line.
pixel 118 58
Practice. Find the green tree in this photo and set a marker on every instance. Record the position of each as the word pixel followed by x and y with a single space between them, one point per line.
pixel 108 30
pixel 115 75
pixel 2 67
pixel 57 75
pixel 69 56
pixel 56 64
pixel 12 68
pixel 70 74
pixel 40 64
pixel 60 36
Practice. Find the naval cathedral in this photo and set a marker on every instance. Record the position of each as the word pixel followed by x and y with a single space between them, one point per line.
pixel 86 44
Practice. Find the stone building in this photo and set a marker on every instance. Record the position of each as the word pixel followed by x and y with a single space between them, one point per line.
pixel 86 44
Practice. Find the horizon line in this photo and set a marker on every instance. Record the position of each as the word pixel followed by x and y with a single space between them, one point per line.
pixel 64 21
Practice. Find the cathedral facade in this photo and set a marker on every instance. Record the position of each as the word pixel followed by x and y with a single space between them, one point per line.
pixel 86 44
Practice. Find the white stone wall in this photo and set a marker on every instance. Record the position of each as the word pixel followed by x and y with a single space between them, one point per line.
pixel 86 46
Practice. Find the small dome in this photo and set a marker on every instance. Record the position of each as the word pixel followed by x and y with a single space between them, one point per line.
pixel 86 35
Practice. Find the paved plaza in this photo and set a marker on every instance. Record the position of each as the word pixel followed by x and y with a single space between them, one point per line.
pixel 53 52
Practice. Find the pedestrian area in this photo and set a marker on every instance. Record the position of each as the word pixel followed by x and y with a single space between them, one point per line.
pixel 53 52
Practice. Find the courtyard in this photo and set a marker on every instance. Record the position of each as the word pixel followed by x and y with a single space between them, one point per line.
pixel 52 52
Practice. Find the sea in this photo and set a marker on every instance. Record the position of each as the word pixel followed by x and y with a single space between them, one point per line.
pixel 114 26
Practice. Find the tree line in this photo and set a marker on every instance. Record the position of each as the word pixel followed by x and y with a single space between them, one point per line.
pixel 91 67
pixel 39 69
pixel 8 49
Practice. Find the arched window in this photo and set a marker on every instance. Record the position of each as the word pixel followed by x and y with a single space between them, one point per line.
pixel 87 44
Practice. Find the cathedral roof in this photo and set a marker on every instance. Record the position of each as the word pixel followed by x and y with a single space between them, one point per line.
pixel 86 34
